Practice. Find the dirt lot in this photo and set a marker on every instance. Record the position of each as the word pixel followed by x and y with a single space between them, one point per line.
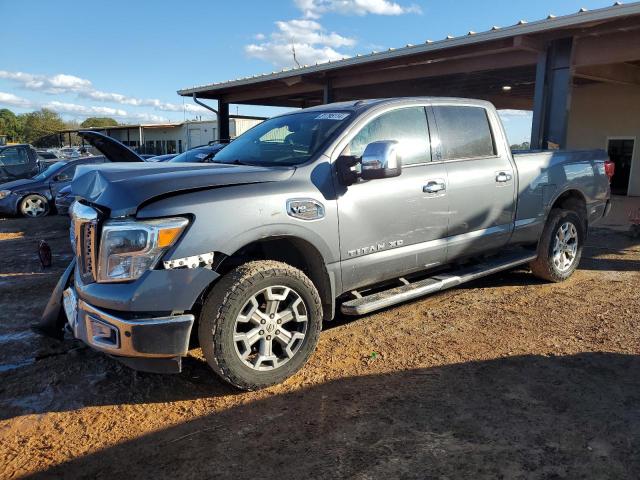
pixel 506 378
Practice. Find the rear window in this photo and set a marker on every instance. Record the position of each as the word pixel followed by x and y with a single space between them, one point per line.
pixel 464 132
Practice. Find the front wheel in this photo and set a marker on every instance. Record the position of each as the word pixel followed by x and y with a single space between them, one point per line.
pixel 34 205
pixel 560 247
pixel 260 324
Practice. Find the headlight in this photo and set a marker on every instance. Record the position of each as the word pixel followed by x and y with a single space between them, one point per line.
pixel 4 193
pixel 129 248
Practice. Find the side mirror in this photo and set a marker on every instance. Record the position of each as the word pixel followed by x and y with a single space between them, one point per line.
pixel 380 160
pixel 63 177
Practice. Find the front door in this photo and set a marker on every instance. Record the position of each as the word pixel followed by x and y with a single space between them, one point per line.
pixel 391 226
pixel 621 153
pixel 482 180
pixel 15 163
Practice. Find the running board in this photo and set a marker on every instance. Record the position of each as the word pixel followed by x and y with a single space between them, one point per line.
pixel 409 291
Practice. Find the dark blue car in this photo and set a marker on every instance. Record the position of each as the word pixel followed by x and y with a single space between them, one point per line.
pixel 34 197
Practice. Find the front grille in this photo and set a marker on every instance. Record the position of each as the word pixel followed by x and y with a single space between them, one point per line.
pixel 84 225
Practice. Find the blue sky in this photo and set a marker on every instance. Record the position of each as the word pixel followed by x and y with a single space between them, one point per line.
pixel 126 59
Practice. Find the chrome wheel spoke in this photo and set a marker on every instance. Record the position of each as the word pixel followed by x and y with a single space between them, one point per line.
pixel 565 246
pixel 261 340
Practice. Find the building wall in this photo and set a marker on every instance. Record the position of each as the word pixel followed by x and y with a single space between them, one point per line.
pixel 179 137
pixel 601 111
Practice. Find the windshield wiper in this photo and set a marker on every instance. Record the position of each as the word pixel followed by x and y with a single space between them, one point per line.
pixel 237 161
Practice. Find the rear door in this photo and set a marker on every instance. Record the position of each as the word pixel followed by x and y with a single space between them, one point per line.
pixel 391 226
pixel 482 184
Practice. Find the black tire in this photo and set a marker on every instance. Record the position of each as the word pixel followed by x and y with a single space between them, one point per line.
pixel 34 205
pixel 544 266
pixel 230 297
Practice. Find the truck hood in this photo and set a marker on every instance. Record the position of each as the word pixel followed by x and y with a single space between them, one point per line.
pixel 124 187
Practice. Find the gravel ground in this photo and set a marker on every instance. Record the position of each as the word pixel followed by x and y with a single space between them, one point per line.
pixel 507 377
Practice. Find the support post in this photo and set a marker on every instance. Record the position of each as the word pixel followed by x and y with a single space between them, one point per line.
pixel 327 92
pixel 141 147
pixel 223 121
pixel 552 97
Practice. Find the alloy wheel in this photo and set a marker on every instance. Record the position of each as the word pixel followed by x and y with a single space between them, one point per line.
pixel 33 207
pixel 270 328
pixel 565 246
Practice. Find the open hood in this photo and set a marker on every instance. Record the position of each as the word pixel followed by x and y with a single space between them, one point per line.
pixel 109 147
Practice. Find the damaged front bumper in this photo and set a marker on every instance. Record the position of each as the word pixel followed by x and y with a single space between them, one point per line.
pixel 117 319
pixel 163 339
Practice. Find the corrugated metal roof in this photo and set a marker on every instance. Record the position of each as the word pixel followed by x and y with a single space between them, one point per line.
pixel 617 10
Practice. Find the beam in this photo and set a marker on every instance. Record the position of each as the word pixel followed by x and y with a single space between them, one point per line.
pixel 327 92
pixel 552 96
pixel 270 91
pixel 438 69
pixel 618 47
pixel 618 73
pixel 223 121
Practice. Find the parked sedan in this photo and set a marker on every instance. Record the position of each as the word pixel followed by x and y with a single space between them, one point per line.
pixel 33 197
pixel 201 154
pixel 162 158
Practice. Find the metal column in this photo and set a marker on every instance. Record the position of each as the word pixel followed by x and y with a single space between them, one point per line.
pixel 327 93
pixel 552 98
pixel 223 121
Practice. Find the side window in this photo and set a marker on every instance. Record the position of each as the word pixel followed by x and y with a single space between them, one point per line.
pixel 408 126
pixel 13 156
pixel 464 132
pixel 66 174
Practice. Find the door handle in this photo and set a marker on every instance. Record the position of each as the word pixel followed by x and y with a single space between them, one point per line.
pixel 434 186
pixel 502 177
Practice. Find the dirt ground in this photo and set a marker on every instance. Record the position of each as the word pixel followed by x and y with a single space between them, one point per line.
pixel 508 377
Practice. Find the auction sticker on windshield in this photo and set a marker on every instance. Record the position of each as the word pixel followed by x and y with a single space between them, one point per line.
pixel 332 116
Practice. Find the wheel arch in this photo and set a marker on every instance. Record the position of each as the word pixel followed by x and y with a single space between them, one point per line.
pixel 23 195
pixel 294 251
pixel 575 200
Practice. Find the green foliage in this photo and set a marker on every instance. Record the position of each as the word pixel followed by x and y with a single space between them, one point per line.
pixel 42 123
pixel 38 128
pixel 98 122
pixel 10 125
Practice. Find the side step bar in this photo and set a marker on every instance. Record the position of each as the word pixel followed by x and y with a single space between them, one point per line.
pixel 409 291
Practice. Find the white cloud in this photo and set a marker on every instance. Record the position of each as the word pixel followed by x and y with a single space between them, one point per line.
pixel 508 115
pixel 311 41
pixel 63 83
pixel 76 110
pixel 316 8
pixel 12 100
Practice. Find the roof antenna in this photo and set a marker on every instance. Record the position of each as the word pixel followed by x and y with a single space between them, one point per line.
pixel 293 51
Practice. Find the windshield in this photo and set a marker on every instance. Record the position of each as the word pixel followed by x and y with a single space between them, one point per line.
pixel 49 172
pixel 287 140
pixel 197 155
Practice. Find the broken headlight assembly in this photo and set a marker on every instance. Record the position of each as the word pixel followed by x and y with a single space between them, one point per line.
pixel 130 248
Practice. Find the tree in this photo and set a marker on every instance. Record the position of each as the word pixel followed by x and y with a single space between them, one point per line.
pixel 40 124
pixel 98 122
pixel 10 125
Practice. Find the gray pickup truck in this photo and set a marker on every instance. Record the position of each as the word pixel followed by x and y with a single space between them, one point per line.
pixel 353 206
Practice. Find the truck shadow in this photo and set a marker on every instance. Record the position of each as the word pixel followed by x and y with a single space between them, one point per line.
pixel 528 416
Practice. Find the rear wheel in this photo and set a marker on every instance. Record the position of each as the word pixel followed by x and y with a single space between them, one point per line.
pixel 560 247
pixel 34 205
pixel 260 324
